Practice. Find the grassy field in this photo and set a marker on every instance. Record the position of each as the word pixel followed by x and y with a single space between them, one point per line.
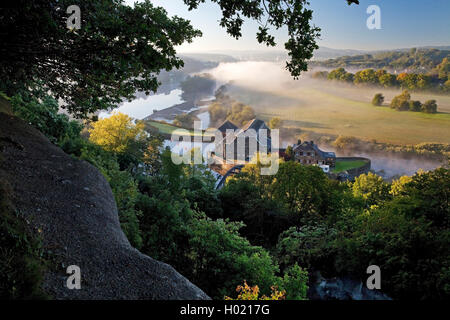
pixel 326 108
pixel 343 165
pixel 169 129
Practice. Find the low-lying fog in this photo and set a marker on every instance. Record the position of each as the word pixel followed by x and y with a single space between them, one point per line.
pixel 390 165
pixel 273 78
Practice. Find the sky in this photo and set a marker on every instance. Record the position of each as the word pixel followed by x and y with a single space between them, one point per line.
pixel 404 24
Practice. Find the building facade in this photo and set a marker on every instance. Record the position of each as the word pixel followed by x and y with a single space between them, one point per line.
pixel 240 145
pixel 308 153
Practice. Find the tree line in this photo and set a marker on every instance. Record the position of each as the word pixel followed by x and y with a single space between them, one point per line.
pixel 438 79
pixel 415 59
pixel 225 108
pixel 403 102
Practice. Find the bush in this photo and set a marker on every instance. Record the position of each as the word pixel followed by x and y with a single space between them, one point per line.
pixel 275 123
pixel 429 106
pixel 378 99
pixel 415 106
pixel 401 102
pixel 41 111
pixel 222 259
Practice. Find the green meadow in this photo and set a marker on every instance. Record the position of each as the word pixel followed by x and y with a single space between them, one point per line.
pixel 342 165
pixel 165 128
pixel 324 107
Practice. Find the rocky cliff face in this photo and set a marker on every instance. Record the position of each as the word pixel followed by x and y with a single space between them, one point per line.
pixel 73 206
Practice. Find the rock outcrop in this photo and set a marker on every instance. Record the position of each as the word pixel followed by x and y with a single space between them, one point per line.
pixel 72 205
pixel 342 288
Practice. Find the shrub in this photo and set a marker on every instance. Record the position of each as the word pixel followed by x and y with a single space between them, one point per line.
pixel 41 111
pixel 378 99
pixel 429 106
pixel 401 102
pixel 415 106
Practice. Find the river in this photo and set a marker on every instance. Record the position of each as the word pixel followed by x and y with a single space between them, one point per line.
pixel 143 107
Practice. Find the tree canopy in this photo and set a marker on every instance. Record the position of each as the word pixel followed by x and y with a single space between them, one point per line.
pixel 121 49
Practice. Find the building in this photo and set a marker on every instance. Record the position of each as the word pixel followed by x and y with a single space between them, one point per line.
pixel 227 125
pixel 242 144
pixel 308 153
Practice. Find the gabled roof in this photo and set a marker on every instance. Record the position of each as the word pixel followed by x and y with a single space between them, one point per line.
pixel 227 125
pixel 314 146
pixel 255 124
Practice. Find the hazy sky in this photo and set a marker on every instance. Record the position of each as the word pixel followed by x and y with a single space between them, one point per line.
pixel 404 23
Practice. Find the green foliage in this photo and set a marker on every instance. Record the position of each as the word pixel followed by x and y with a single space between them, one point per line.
pixel 121 49
pixel 197 87
pixel 414 258
pixel 388 80
pixel 341 75
pixel 447 86
pixel 415 60
pixel 217 112
pixel 39 109
pixel 401 102
pixel 304 190
pixel 270 204
pixel 346 142
pixel 264 218
pixel 309 246
pixel 118 50
pixel 289 152
pixel 372 188
pixel 378 100
pixel 294 283
pixel 221 259
pixel 185 120
pixel 415 106
pixel 426 195
pixel 163 223
pixel 134 147
pixel 227 109
pixel 429 106
pixel 240 114
pixel 443 69
pixel 21 256
pixel 275 123
pixel 367 76
pixel 435 80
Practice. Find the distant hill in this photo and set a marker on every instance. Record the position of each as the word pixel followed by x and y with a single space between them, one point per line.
pixel 343 57
pixel 266 55
pixel 329 53
pixel 207 57
pixel 418 60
